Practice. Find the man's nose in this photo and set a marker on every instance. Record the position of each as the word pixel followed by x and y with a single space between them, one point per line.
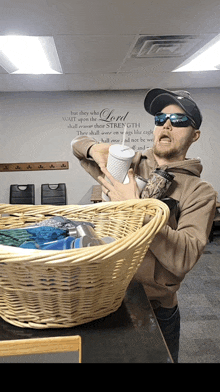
pixel 167 124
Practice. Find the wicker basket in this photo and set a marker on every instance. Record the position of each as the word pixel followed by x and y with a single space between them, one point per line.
pixel 52 289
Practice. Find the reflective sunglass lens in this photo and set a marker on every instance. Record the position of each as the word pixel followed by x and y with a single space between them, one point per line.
pixel 177 120
pixel 160 119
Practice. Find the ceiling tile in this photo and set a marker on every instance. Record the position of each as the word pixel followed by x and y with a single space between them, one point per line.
pixel 92 53
pixel 32 83
pixel 32 17
pixel 142 66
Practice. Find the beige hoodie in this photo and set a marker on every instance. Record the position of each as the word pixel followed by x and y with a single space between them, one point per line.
pixel 178 246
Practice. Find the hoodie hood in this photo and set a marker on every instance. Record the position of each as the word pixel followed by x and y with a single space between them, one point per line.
pixel 188 166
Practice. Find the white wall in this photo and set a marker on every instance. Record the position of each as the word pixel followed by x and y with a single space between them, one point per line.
pixel 39 126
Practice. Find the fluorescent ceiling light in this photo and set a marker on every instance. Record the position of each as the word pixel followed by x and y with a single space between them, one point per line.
pixel 206 59
pixel 29 55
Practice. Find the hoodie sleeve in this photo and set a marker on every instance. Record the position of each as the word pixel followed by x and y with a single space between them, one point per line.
pixel 178 250
pixel 80 147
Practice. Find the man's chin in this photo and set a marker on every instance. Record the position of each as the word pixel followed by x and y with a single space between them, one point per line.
pixel 165 152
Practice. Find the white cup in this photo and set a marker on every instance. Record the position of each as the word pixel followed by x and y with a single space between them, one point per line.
pixel 119 161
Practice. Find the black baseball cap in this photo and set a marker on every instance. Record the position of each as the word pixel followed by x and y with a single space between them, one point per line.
pixel 157 99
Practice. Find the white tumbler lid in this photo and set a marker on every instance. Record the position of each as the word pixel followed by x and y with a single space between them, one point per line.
pixel 121 152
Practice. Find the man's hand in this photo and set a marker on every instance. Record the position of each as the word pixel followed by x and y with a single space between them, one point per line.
pixel 117 191
pixel 99 152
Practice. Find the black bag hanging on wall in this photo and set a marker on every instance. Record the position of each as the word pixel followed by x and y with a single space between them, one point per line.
pixel 22 194
pixel 54 194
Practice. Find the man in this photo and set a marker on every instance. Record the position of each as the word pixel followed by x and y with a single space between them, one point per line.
pixel 178 246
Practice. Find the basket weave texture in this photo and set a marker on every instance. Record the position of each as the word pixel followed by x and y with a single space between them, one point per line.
pixel 58 289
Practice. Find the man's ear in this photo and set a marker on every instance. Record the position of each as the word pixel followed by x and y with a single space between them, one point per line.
pixel 196 135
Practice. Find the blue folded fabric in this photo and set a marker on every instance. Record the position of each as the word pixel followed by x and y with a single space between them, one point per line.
pixel 38 235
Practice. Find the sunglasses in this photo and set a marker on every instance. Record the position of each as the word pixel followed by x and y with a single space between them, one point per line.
pixel 177 119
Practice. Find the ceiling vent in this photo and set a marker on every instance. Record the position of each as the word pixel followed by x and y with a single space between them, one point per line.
pixel 148 46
